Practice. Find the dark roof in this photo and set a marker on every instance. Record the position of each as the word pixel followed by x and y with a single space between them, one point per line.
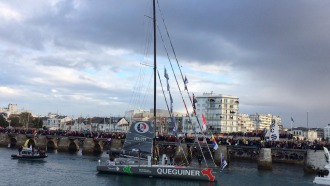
pixel 102 120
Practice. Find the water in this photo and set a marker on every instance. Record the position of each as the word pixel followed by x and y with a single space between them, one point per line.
pixel 77 169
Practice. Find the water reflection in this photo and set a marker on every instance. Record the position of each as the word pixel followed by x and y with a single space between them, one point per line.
pixel 30 162
pixel 139 181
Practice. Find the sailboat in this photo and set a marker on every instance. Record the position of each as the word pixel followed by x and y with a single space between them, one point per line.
pixel 139 158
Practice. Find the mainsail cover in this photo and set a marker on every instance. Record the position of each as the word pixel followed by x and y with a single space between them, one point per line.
pixel 139 138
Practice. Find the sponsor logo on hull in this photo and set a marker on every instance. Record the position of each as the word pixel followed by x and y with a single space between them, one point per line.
pixel 186 172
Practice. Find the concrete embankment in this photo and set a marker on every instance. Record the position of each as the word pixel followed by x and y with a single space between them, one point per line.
pixel 314 161
pixel 265 159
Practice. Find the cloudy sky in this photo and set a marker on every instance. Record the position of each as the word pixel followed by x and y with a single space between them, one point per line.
pixel 89 58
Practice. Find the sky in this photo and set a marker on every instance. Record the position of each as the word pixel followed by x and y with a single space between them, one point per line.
pixel 94 58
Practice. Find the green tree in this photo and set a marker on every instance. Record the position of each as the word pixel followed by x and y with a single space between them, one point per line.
pixel 36 123
pixel 3 121
pixel 14 121
pixel 25 119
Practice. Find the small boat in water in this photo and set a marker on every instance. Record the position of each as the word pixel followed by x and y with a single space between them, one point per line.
pixel 29 153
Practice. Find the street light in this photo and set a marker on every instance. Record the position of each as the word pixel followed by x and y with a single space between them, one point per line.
pixel 109 122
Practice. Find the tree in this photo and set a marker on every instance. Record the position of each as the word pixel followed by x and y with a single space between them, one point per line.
pixel 14 121
pixel 36 123
pixel 3 121
pixel 25 119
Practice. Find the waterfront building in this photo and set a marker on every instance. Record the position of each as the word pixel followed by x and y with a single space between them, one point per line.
pixel 12 109
pixel 220 111
pixel 169 126
pixel 305 133
pixel 189 124
pixel 163 121
pixel 80 124
pixel 245 123
pixel 111 124
pixel 263 121
pixel 327 132
pixel 320 133
pixel 138 114
pixel 57 123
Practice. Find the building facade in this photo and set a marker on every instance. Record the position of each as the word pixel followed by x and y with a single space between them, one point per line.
pixel 327 132
pixel 304 133
pixel 57 123
pixel 263 121
pixel 12 109
pixel 245 123
pixel 220 111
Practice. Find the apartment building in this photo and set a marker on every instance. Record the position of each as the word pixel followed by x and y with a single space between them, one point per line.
pixel 220 111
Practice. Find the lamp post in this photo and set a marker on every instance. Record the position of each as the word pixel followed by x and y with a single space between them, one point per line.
pixel 110 123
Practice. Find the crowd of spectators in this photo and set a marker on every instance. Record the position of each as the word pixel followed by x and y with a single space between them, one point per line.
pixel 255 139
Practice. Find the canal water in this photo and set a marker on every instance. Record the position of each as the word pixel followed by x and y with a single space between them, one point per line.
pixel 77 169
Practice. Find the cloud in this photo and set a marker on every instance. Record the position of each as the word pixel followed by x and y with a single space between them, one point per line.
pixel 9 14
pixel 271 54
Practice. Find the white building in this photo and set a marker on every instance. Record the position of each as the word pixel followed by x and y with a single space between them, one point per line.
pixel 245 123
pixel 305 133
pixel 112 124
pixel 57 122
pixel 80 124
pixel 12 109
pixel 220 111
pixel 143 115
pixel 263 121
pixel 327 132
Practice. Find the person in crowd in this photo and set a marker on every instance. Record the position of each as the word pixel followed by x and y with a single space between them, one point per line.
pixel 20 150
pixel 199 158
pixel 171 160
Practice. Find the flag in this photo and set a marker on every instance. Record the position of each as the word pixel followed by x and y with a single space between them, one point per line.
pixel 214 143
pixel 194 101
pixel 185 81
pixel 292 120
pixel 165 74
pixel 204 123
pixel 174 124
pixel 167 78
pixel 171 105
pixel 223 162
pixel 274 131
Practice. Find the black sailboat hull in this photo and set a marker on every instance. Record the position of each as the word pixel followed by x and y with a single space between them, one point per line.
pixel 162 171
pixel 28 157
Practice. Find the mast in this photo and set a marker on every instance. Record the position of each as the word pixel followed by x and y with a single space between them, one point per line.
pixel 155 64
